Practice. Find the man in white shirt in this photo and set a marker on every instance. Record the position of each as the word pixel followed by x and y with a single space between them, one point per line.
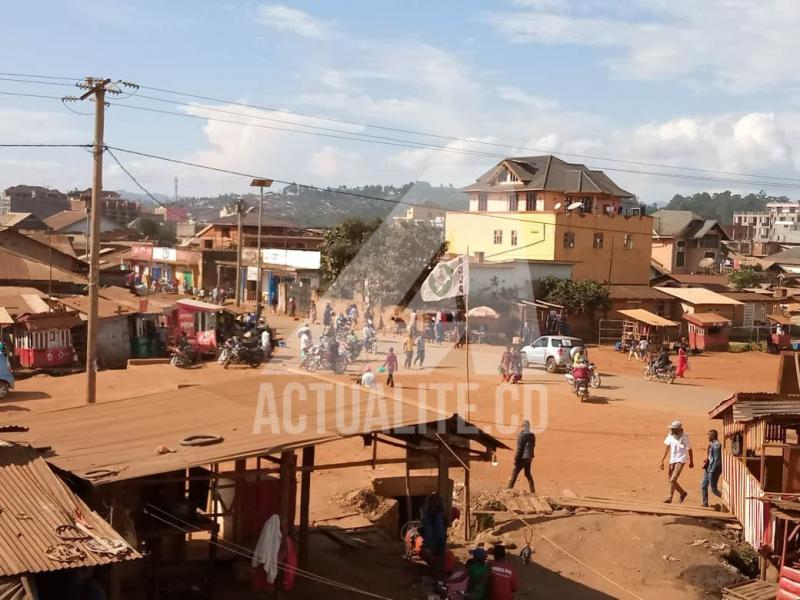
pixel 679 450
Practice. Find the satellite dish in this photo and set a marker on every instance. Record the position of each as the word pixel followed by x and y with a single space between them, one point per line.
pixel 706 263
pixel 575 206
pixel 557 206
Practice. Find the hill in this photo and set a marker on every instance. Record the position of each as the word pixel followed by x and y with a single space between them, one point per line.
pixel 721 206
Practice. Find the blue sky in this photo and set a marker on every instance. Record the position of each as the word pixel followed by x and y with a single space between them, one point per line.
pixel 709 85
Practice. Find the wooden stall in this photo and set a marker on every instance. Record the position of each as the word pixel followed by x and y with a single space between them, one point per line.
pixel 642 324
pixel 44 340
pixel 708 331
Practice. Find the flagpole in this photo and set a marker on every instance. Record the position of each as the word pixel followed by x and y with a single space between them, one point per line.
pixel 466 306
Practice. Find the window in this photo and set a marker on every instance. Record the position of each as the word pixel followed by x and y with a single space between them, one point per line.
pixel 508 177
pixel 513 237
pixel 569 239
pixel 530 201
pixel 479 256
pixel 498 236
pixel 208 244
pixel 540 343
pixel 513 203
pixel 483 202
pixel 597 241
pixel 627 241
pixel 680 258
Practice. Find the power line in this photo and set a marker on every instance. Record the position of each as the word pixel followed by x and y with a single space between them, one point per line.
pixel 138 184
pixel 348 192
pixel 467 152
pixel 433 135
pixel 456 138
pixel 45 145
pixel 37 82
pixel 24 95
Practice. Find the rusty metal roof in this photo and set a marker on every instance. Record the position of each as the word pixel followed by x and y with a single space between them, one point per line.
pixel 117 440
pixel 706 318
pixel 46 321
pixel 19 268
pixel 34 502
pixel 105 308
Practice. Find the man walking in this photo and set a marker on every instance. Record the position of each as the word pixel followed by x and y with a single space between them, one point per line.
pixel 408 348
pixel 712 467
pixel 390 364
pixel 679 450
pixel 420 356
pixel 526 442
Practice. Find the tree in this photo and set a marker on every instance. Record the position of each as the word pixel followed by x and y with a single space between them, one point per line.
pixel 721 206
pixel 747 277
pixel 341 244
pixel 163 232
pixel 575 296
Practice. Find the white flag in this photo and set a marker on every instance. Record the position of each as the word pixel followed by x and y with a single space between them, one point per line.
pixel 447 280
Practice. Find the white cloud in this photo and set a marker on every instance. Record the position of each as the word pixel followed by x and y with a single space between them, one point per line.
pixel 293 20
pixel 736 45
pixel 514 94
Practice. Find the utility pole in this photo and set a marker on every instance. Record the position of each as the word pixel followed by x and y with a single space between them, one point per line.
pixel 260 184
pixel 241 210
pixel 97 88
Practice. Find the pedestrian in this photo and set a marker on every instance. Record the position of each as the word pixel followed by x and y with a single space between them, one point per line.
pixel 516 365
pixel 327 315
pixel 434 533
pixel 461 334
pixel 505 364
pixel 368 378
pixel 368 314
pixel 274 302
pixel 478 573
pixel 408 348
pixel 679 450
pixel 683 361
pixel 523 457
pixel 412 322
pixel 420 357
pixel 312 313
pixel 712 466
pixel 266 344
pixel 390 364
pixel 438 330
pixel 503 581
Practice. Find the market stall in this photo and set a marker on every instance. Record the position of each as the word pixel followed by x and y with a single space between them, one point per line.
pixel 708 331
pixel 641 324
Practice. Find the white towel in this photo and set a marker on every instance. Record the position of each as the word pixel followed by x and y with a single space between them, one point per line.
pixel 269 543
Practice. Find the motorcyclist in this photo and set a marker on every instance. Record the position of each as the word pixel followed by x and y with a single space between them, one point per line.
pixel 663 362
pixel 580 373
pixel 352 343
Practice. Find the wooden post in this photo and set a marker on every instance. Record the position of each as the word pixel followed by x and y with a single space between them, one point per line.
pixel 444 478
pixel 467 516
pixel 240 467
pixel 305 498
pixel 288 467
pixel 409 510
pixel 115 579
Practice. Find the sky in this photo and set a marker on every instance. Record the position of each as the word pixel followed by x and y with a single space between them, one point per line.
pixel 706 85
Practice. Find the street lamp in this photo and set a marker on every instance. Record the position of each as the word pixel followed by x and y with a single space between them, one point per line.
pixel 260 184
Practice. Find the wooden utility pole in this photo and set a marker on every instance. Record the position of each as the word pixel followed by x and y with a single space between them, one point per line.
pixel 239 244
pixel 96 88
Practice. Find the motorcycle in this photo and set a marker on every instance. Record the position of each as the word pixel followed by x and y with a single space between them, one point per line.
pixel 179 357
pixel 371 344
pixel 240 353
pixel 654 372
pixel 580 387
pixel 319 358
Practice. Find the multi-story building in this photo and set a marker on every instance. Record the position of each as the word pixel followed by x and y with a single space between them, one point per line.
pixel 114 207
pixel 684 242
pixel 40 201
pixel 420 213
pixel 780 222
pixel 542 208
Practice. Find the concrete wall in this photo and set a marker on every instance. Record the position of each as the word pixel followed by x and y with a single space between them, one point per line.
pixel 476 231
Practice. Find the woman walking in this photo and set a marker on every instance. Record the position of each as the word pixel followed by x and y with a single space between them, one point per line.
pixel 683 361
pixel 390 364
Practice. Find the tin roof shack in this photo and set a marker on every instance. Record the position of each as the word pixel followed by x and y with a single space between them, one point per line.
pixel 700 300
pixel 640 323
pixel 761 449
pixel 44 340
pixel 47 531
pixel 708 332
pixel 177 470
pixel 624 297
pixel 113 333
pixel 147 326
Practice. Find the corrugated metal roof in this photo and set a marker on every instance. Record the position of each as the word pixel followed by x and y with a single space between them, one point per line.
pixel 5 317
pixel 697 295
pixel 120 437
pixel 19 268
pixel 45 321
pixel 635 292
pixel 645 316
pixel 16 300
pixel 34 503
pixel 105 308
pixel 707 318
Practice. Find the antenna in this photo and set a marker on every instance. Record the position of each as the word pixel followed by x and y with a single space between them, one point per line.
pixel 575 206
pixel 557 206
pixel 176 189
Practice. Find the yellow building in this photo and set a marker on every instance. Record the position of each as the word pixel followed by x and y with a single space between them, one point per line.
pixel 571 214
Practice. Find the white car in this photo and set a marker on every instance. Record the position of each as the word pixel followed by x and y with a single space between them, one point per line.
pixel 553 352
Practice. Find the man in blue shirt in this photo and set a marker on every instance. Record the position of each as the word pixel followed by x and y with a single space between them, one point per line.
pixel 712 466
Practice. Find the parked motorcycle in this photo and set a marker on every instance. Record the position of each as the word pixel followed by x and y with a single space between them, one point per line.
pixel 654 372
pixel 320 358
pixel 238 352
pixel 179 357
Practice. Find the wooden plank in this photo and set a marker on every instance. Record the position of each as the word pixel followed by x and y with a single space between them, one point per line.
pixel 338 536
pixel 512 505
pixel 655 509
pixel 548 510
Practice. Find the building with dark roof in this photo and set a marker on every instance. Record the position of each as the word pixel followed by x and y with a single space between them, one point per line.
pixel 35 199
pixel 541 208
pixel 684 242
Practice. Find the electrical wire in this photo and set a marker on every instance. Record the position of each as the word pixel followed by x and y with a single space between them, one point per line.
pixel 449 138
pixel 248 553
pixel 393 201
pixel 455 138
pixel 38 82
pixel 139 185
pixel 45 145
pixel 467 152
pixel 530 527
pixel 24 95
